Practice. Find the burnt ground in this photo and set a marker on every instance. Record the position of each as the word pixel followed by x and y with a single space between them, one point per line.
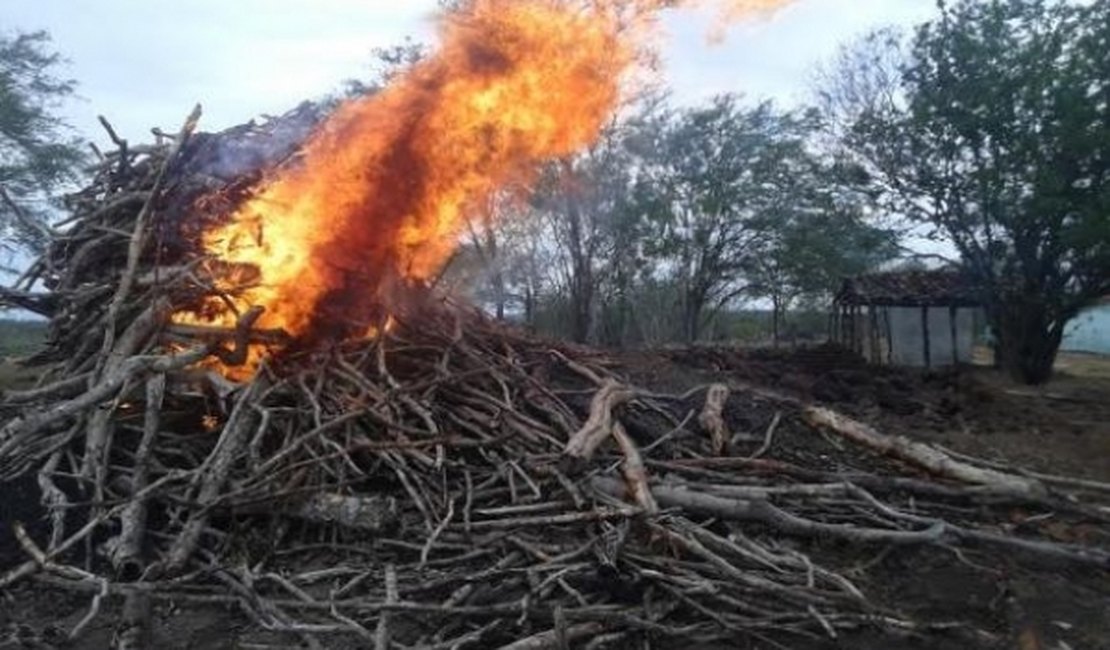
pixel 1063 428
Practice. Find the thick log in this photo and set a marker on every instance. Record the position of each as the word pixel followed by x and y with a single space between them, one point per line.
pixel 216 469
pixel 635 474
pixel 919 454
pixel 712 418
pixel 550 640
pixel 599 425
pixel 375 514
pixel 763 512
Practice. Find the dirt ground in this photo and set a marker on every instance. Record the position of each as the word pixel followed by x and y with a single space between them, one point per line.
pixel 1062 428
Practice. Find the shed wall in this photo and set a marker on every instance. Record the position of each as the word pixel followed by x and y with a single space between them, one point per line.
pixel 908 337
pixel 1089 332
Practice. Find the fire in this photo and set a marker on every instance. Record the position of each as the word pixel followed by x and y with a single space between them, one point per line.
pixel 380 192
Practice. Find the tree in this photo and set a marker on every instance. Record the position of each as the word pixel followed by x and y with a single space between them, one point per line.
pixel 36 156
pixel 805 256
pixel 388 62
pixel 720 173
pixel 581 197
pixel 998 137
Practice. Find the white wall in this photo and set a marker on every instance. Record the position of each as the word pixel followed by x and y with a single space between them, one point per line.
pixel 908 336
pixel 1089 331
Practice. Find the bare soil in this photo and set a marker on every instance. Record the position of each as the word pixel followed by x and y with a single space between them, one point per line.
pixel 1063 428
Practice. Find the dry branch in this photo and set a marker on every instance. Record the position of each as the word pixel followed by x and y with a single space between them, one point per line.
pixel 447 483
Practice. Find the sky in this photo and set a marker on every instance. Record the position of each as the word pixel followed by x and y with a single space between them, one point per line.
pixel 144 63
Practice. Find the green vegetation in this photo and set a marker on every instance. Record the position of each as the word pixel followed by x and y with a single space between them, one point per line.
pixel 992 128
pixel 20 338
pixel 37 156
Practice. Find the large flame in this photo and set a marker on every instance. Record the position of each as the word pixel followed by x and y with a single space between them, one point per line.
pixel 381 189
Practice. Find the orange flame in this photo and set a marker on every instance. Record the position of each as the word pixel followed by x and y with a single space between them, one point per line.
pixel 381 189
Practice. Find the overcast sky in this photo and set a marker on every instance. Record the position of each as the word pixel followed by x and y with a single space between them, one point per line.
pixel 144 63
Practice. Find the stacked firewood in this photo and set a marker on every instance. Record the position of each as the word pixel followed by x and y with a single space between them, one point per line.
pixel 448 483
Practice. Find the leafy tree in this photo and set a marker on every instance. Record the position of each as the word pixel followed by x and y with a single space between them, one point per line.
pixel 388 62
pixel 997 135
pixel 807 254
pixel 720 173
pixel 36 154
pixel 583 198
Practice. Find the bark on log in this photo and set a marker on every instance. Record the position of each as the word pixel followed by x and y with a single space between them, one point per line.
pixel 938 531
pixel 125 554
pixel 549 640
pixel 375 514
pixel 599 425
pixel 763 512
pixel 635 474
pixel 919 454
pixel 62 389
pixel 217 467
pixel 712 418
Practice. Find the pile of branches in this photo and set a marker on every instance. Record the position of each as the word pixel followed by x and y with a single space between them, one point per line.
pixel 450 483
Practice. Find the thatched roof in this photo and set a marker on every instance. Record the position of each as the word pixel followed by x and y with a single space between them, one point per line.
pixel 943 288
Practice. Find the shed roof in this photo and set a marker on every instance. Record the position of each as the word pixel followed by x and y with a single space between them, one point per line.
pixel 943 288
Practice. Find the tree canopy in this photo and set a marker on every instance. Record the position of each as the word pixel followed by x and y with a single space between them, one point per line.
pixel 37 154
pixel 996 133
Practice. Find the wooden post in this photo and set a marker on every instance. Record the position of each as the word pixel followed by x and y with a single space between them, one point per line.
pixel 859 327
pixel 873 327
pixel 889 337
pixel 842 326
pixel 952 312
pixel 857 335
pixel 843 316
pixel 925 336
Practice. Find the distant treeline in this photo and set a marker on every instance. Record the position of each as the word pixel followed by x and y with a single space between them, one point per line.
pixel 675 222
pixel 19 338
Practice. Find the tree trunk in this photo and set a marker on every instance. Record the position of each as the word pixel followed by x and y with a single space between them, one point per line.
pixel 499 294
pixel 1026 340
pixel 691 318
pixel 498 280
pixel 582 282
pixel 775 319
pixel 529 309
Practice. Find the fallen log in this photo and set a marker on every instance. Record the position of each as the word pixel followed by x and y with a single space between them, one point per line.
pixel 920 454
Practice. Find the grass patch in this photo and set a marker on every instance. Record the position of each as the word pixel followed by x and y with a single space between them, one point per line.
pixel 20 338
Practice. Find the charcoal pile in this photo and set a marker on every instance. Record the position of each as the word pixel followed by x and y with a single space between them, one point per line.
pixel 445 483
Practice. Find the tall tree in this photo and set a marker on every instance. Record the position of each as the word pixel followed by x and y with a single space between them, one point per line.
pixel 581 198
pixel 997 135
pixel 37 156
pixel 806 254
pixel 720 173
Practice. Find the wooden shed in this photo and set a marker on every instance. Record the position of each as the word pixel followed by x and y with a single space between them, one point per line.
pixel 908 318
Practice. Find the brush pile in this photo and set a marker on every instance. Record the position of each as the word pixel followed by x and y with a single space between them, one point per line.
pixel 448 483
